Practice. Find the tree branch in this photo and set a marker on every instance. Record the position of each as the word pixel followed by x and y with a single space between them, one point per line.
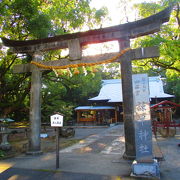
pixel 165 66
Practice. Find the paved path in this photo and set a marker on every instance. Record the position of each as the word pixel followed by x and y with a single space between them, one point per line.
pixel 98 156
pixel 28 174
pixel 109 141
pixel 170 167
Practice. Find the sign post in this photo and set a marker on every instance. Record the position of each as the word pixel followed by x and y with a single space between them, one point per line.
pixel 57 122
pixel 57 147
pixel 144 165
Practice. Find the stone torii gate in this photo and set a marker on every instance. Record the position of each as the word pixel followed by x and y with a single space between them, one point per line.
pixel 122 33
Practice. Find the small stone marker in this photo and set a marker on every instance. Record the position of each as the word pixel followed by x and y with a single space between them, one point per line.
pixel 144 165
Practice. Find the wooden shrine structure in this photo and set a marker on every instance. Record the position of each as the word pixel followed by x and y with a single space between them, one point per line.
pixel 122 33
pixel 162 120
pixel 97 115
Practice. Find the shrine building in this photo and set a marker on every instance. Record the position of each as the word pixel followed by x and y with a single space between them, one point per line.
pixel 107 107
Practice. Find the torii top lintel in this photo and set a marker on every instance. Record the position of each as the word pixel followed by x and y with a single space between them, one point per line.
pixel 128 30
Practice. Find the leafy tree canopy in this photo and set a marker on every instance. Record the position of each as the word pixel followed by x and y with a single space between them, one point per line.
pixel 32 19
pixel 168 39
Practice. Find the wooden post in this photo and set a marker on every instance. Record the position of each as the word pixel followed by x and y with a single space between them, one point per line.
pixel 57 122
pixel 57 147
pixel 78 116
pixel 35 108
pixel 127 91
pixel 116 116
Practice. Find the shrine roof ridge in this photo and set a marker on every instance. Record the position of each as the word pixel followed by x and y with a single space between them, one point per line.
pixel 161 17
pixel 111 90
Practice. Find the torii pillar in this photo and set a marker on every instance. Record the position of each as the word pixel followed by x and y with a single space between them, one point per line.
pixel 35 108
pixel 128 109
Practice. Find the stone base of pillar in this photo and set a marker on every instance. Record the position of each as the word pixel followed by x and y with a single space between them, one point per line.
pixel 34 153
pixel 146 170
pixel 128 157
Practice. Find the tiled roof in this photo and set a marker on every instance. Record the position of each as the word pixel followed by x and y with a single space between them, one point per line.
pixel 94 107
pixel 112 90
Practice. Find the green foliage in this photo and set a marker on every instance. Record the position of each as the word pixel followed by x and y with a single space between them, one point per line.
pixel 41 20
pixel 62 94
pixel 168 40
pixel 23 19
pixel 111 71
pixel 1 153
pixel 32 19
pixel 101 14
pixel 13 89
pixel 147 9
pixel 173 87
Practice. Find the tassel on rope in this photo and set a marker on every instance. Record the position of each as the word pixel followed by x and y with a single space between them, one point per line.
pixel 94 70
pixel 76 71
pixel 55 72
pixel 59 72
pixel 69 72
pixel 84 71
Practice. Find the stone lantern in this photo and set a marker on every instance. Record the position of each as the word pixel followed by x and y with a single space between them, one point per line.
pixel 4 132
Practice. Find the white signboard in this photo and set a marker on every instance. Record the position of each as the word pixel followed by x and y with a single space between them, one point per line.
pixel 57 120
